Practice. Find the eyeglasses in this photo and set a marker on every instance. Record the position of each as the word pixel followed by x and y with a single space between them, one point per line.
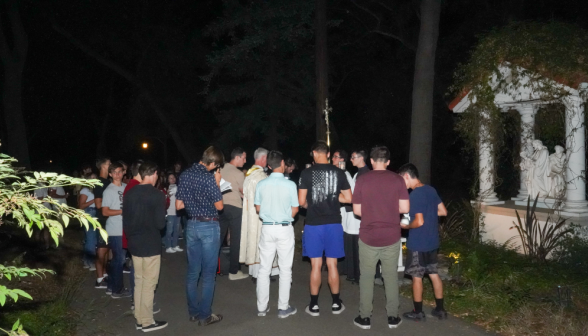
pixel 355 157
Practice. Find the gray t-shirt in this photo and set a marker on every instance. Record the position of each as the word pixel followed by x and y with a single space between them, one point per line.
pixel 113 198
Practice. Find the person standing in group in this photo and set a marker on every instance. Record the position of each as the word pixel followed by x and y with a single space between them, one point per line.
pixel 199 192
pixel 290 167
pixel 231 217
pixel 380 197
pixel 351 227
pixel 86 203
pixel 322 188
pixel 112 209
pixel 423 242
pixel 172 231
pixel 143 218
pixel 338 160
pixel 251 224
pixel 134 181
pixel 102 165
pixel 276 201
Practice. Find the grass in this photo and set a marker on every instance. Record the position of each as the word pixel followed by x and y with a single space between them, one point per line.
pixel 501 290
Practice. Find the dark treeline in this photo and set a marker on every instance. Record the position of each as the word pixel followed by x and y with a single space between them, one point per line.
pixel 101 78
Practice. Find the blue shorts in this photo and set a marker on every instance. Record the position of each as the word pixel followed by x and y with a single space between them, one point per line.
pixel 319 239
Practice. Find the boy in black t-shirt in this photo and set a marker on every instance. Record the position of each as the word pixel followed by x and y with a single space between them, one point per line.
pixel 101 247
pixel 322 188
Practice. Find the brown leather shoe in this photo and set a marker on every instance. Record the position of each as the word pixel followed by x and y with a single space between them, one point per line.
pixel 213 318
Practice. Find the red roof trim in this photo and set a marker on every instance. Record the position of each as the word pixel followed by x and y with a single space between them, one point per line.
pixel 457 99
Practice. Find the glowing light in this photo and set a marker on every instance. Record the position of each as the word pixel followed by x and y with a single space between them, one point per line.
pixel 145 145
pixel 50 161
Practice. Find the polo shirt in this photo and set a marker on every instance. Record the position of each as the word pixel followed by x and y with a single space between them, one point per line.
pixel 276 196
pixel 198 190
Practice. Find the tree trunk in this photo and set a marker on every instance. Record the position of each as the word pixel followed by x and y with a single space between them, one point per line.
pixel 421 128
pixel 13 61
pixel 322 67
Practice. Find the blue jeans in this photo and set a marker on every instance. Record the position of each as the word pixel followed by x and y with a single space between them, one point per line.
pixel 202 243
pixel 115 273
pixel 90 241
pixel 172 231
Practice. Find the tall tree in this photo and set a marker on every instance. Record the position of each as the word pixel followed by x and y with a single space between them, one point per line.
pixel 260 83
pixel 13 58
pixel 421 135
pixel 321 66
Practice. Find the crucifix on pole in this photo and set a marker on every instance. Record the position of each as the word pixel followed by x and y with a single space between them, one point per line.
pixel 328 110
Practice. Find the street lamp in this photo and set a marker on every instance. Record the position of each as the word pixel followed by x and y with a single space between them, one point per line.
pixel 145 145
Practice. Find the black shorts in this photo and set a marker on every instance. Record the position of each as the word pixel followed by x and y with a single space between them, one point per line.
pixel 420 263
pixel 100 242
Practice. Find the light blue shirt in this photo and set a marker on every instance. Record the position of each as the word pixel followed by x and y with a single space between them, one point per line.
pixel 276 196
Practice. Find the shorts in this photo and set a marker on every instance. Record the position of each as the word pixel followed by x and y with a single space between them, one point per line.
pixel 420 263
pixel 319 239
pixel 100 242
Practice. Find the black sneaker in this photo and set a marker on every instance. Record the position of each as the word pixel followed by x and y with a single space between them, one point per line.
pixel 138 326
pixel 312 311
pixel 440 314
pixel 155 326
pixel 213 318
pixel 363 323
pixel 415 316
pixel 126 269
pixel 338 308
pixel 394 322
pixel 100 284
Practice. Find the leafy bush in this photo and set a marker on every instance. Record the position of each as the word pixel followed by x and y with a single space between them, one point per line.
pixel 539 241
pixel 20 208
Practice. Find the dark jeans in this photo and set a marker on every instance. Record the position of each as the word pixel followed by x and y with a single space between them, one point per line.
pixel 115 273
pixel 202 245
pixel 172 232
pixel 91 240
pixel 351 263
pixel 231 219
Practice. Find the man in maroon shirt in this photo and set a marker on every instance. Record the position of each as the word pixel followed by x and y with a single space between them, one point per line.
pixel 135 181
pixel 380 196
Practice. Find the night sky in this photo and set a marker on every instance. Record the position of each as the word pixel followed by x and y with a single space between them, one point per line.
pixel 67 93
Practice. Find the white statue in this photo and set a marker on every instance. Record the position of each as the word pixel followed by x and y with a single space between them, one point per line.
pixel 557 162
pixel 526 163
pixel 538 169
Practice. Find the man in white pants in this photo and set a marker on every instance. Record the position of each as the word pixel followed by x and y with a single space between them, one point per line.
pixel 276 201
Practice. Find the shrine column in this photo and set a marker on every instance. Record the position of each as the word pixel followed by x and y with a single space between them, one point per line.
pixel 576 155
pixel 486 168
pixel 527 112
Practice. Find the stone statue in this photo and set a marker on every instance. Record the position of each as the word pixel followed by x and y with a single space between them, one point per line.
pixel 537 169
pixel 526 162
pixel 557 162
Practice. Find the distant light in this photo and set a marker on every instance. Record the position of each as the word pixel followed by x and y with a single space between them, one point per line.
pixel 145 145
pixel 50 161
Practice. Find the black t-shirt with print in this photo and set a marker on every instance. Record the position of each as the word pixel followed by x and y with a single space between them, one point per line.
pixel 324 183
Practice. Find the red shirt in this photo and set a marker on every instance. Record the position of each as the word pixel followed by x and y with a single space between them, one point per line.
pixel 379 192
pixel 131 184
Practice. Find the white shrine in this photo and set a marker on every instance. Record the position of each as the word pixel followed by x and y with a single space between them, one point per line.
pixel 558 178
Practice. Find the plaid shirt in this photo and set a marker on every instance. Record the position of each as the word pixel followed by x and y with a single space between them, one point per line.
pixel 198 190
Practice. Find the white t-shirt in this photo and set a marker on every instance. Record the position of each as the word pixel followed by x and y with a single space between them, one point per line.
pixel 42 193
pixel 113 199
pixel 171 191
pixel 59 191
pixel 89 194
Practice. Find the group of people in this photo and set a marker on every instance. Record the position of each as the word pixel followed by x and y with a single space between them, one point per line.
pixel 356 218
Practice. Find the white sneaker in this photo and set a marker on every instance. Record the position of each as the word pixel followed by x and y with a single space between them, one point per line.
pixel 178 249
pixel 238 276
pixel 170 250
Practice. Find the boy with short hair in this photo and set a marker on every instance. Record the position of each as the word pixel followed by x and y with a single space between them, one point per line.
pixel 112 208
pixel 423 241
